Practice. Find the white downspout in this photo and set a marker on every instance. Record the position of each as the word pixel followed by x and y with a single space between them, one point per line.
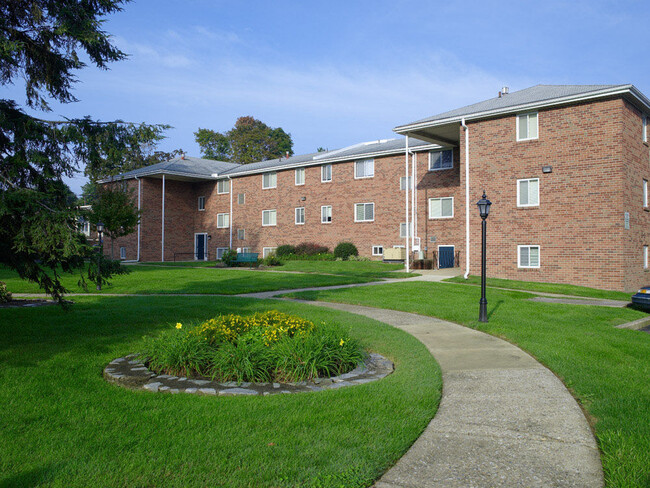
pixel 139 217
pixel 406 202
pixel 162 241
pixel 466 129
pixel 230 218
pixel 412 185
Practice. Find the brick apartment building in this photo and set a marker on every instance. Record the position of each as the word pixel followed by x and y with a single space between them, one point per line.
pixel 566 168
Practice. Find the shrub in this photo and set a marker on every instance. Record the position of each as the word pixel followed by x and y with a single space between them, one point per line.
pixel 310 249
pixel 271 260
pixel 5 295
pixel 228 258
pixel 313 257
pixel 344 250
pixel 359 258
pixel 285 250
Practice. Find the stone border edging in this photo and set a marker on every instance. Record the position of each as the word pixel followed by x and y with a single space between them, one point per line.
pixel 130 372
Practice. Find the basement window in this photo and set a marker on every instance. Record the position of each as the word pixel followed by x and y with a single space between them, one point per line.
pixel 528 256
pixel 377 250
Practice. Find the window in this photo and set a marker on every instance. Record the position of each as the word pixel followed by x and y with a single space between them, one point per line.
pixel 441 160
pixel 645 128
pixel 441 208
pixel 241 234
pixel 300 176
pixel 326 214
pixel 243 249
pixel 223 220
pixel 365 168
pixel 268 217
pixel 645 257
pixel 220 251
pixel 201 203
pixel 528 256
pixel 364 212
pixel 85 228
pixel 326 173
pixel 645 193
pixel 300 216
pixel 527 127
pixel 402 229
pixel 223 186
pixel 266 251
pixel 269 180
pixel 123 253
pixel 377 250
pixel 528 192
pixel 402 183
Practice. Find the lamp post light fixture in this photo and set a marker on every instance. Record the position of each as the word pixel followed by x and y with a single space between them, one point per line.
pixel 100 231
pixel 484 210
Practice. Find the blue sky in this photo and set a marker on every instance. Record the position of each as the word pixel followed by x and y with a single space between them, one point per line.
pixel 336 73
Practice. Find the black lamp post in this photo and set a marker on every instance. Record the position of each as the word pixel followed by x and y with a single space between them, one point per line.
pixel 484 210
pixel 100 231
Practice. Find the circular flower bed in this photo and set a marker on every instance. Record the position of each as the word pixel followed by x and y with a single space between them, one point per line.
pixel 264 347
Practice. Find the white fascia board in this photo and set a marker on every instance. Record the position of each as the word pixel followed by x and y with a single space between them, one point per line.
pixel 156 172
pixel 403 129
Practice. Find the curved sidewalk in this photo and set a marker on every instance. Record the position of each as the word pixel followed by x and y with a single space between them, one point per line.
pixel 504 419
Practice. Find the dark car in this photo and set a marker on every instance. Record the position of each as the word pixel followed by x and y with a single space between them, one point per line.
pixel 642 298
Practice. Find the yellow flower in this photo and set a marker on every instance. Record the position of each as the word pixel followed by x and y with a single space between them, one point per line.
pixel 179 325
pixel 342 342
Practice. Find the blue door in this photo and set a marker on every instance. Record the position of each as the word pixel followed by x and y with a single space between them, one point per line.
pixel 200 247
pixel 446 257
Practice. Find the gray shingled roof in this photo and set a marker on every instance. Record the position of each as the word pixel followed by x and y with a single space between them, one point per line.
pixel 189 167
pixel 535 94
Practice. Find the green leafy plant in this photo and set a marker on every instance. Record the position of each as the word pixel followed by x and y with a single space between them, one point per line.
pixel 178 353
pixel 285 250
pixel 228 258
pixel 344 250
pixel 271 260
pixel 5 295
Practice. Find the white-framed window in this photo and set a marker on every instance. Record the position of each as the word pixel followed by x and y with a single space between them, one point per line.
pixel 402 183
pixel 645 128
pixel 364 168
pixel 300 216
pixel 377 250
pixel 645 193
pixel 528 192
pixel 645 257
pixel 241 198
pixel 441 160
pixel 268 217
pixel 223 220
pixel 244 249
pixel 300 176
pixel 123 253
pixel 326 214
pixel 527 127
pixel 223 186
pixel 220 251
pixel 85 228
pixel 326 173
pixel 241 234
pixel 269 180
pixel 364 212
pixel 528 256
pixel 402 229
pixel 266 251
pixel 441 208
pixel 201 203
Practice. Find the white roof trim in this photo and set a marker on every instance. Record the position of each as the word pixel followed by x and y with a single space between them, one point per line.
pixel 157 172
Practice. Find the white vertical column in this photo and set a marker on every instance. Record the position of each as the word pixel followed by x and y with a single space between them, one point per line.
pixel 230 219
pixel 406 203
pixel 162 240
pixel 409 230
pixel 139 217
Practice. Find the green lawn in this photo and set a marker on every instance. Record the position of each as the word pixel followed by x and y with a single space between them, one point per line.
pixel 366 269
pixel 175 279
pixel 560 289
pixel 62 425
pixel 606 368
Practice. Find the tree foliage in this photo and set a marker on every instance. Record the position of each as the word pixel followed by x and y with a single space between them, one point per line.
pixel 113 206
pixel 250 140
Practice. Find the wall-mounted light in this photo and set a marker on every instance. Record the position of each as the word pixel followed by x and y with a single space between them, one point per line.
pixel 547 169
pixel 209 237
pixel 303 199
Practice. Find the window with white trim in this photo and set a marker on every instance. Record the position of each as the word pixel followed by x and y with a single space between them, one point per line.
pixel 201 203
pixel 528 256
pixel 220 251
pixel 402 229
pixel 244 249
pixel 402 183
pixel 326 173
pixel 527 127
pixel 528 192
pixel 85 228
pixel 268 217
pixel 377 250
pixel 326 214
pixel 441 160
pixel 241 198
pixel 241 234
pixel 300 216
pixel 364 212
pixel 645 128
pixel 441 208
pixel 300 176
pixel 269 180
pixel 645 193
pixel 364 168
pixel 123 253
pixel 223 220
pixel 223 186
pixel 267 251
pixel 645 257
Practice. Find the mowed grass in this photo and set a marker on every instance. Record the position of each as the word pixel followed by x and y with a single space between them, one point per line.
pixel 62 425
pixel 607 369
pixel 176 279
pixel 560 289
